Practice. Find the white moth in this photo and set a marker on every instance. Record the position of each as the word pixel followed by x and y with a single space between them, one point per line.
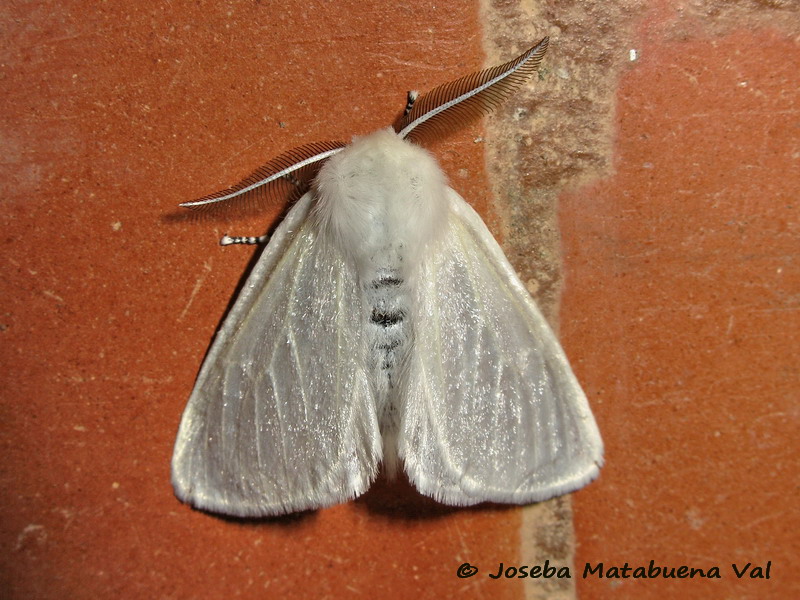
pixel 382 323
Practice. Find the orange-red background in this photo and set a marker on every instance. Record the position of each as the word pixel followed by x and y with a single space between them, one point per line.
pixel 680 311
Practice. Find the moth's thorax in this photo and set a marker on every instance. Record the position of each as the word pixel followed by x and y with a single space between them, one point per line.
pixel 381 197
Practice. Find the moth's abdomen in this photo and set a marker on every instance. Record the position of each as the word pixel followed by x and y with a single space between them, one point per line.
pixel 388 330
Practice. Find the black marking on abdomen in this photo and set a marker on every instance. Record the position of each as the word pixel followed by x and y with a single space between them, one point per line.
pixel 390 346
pixel 386 318
pixel 386 281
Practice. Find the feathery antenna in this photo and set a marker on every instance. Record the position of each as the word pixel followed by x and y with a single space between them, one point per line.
pixel 452 104
pixel 291 171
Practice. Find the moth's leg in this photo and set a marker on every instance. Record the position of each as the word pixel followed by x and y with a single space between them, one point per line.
pixel 247 240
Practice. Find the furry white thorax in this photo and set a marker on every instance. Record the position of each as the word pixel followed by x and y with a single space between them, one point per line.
pixel 381 198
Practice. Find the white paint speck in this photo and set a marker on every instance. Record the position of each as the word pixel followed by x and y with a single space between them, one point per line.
pixel 35 530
